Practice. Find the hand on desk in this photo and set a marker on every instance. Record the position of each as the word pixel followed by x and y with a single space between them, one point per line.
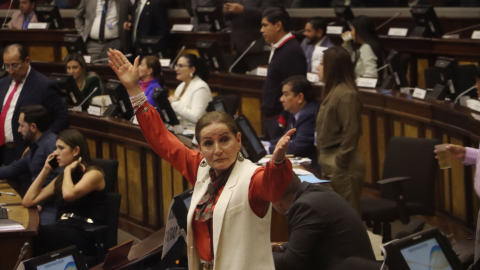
pixel 233 8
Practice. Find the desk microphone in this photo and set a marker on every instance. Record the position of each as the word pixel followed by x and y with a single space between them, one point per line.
pixel 241 56
pixel 108 58
pixel 389 20
pixel 178 56
pixel 22 253
pixel 6 16
pixel 377 70
pixel 461 30
pixel 79 107
pixel 463 93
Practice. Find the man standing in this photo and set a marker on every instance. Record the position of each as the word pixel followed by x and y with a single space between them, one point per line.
pixel 300 101
pixel 24 16
pixel 100 23
pixel 33 127
pixel 315 36
pixel 286 59
pixel 246 16
pixel 25 86
pixel 149 19
pixel 323 229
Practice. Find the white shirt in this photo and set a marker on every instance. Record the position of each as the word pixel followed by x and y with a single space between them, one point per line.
pixel 11 109
pixel 111 21
pixel 276 45
pixel 137 17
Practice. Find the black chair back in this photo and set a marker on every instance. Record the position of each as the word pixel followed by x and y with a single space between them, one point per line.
pixel 231 102
pixel 466 78
pixel 113 207
pixel 414 158
pixel 359 264
pixel 432 77
pixel 110 169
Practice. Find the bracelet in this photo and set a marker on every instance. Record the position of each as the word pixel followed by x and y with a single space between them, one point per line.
pixel 137 97
pixel 279 162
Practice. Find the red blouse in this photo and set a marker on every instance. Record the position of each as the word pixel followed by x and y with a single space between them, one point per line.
pixel 268 184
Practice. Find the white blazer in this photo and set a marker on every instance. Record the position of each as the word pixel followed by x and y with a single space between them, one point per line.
pixel 192 105
pixel 366 60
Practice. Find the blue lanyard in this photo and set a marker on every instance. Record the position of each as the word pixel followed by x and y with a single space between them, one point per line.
pixel 26 21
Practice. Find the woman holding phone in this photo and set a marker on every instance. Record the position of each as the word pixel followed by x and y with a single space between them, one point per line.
pixel 79 193
pixel 230 208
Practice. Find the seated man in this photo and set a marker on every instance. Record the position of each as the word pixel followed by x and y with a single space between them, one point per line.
pixel 24 15
pixel 300 101
pixel 315 35
pixel 323 229
pixel 33 123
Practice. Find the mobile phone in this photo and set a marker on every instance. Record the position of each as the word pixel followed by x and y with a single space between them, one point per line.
pixel 53 163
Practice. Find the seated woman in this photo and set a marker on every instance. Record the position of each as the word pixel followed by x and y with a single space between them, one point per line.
pixel 86 81
pixel 193 95
pixel 230 209
pixel 79 193
pixel 369 57
pixel 149 73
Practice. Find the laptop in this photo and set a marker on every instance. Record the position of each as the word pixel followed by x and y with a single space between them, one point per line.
pixel 64 259
pixel 427 250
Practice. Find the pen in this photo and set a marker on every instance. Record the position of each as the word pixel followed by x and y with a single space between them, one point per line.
pixel 8 193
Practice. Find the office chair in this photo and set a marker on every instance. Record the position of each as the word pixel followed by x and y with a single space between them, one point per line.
pixel 359 264
pixel 231 102
pixel 466 78
pixel 106 234
pixel 408 185
pixel 110 169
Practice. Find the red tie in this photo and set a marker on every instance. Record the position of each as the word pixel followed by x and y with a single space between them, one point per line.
pixel 4 114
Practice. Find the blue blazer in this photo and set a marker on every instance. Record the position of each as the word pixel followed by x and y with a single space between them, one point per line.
pixel 302 142
pixel 150 90
pixel 37 90
pixel 308 49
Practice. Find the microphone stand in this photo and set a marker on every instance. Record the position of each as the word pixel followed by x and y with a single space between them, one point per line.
pixel 6 16
pixel 79 107
pixel 176 57
pixel 461 30
pixel 241 56
pixel 389 20
pixel 22 253
pixel 105 59
pixel 463 93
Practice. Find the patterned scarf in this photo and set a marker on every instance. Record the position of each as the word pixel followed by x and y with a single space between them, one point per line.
pixel 205 206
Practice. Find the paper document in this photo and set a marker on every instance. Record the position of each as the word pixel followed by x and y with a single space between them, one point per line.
pixel 301 172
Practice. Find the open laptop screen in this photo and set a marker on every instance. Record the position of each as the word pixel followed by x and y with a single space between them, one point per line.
pixel 426 255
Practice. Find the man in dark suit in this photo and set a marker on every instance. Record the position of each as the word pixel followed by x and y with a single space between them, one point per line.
pixel 315 35
pixel 300 101
pixel 246 18
pixel 286 59
pixel 323 229
pixel 149 18
pixel 25 86
pixel 100 23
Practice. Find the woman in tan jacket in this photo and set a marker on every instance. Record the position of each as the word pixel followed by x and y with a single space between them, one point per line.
pixel 339 126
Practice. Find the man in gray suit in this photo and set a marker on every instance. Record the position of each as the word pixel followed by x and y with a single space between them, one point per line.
pixel 100 23
pixel 246 17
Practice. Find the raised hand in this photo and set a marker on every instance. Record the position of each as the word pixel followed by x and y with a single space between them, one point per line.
pixel 282 145
pixel 126 72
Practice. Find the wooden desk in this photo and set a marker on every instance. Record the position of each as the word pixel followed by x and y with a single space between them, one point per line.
pixel 42 45
pixel 12 241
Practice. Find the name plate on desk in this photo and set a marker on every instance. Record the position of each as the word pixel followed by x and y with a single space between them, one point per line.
pixel 43 25
pixel 367 82
pixel 419 93
pixel 262 71
pixel 182 27
pixel 165 62
pixel 334 30
pixel 398 32
pixel 95 110
pixel 476 34
pixel 473 104
pixel 312 77
pixel 87 58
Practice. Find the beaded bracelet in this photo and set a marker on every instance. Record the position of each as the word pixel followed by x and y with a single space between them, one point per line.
pixel 137 101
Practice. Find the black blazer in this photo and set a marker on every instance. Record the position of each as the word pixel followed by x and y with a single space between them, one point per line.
pixel 323 231
pixel 37 90
pixel 153 22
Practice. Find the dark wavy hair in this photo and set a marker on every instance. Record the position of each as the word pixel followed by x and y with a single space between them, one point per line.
pixel 201 68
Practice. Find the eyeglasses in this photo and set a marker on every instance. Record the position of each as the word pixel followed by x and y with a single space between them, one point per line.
pixel 181 66
pixel 15 66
